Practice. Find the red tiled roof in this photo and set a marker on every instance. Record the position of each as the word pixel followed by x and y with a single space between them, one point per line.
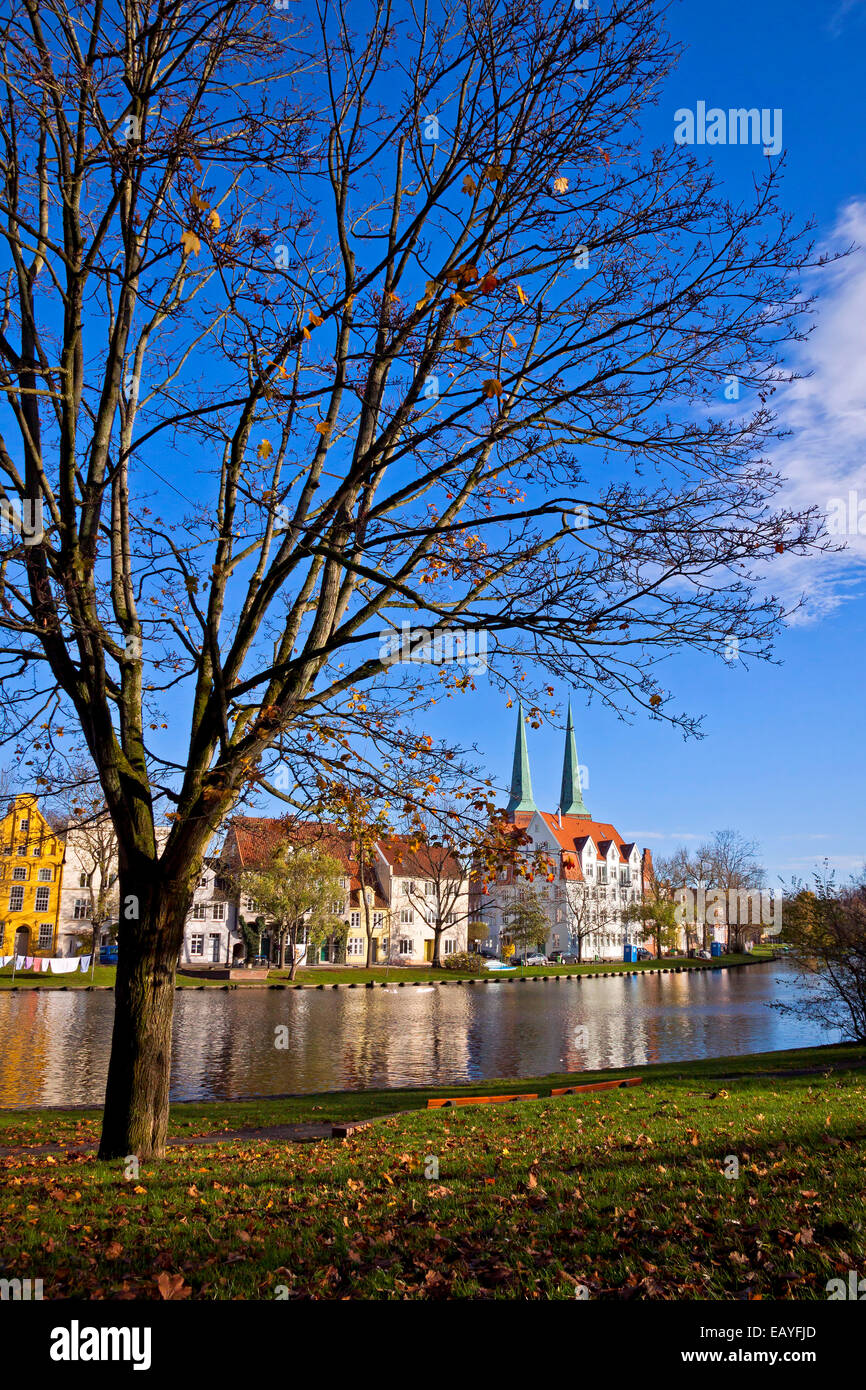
pixel 425 861
pixel 251 841
pixel 576 830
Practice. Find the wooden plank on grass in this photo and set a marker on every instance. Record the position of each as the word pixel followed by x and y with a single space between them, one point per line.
pixel 440 1104
pixel 597 1086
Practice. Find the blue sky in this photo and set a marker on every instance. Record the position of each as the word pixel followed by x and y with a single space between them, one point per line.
pixel 783 754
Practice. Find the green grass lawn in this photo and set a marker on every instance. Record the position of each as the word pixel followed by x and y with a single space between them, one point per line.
pixel 624 1192
pixel 103 975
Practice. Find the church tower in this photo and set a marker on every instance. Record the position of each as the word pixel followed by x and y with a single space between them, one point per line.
pixel 520 800
pixel 571 797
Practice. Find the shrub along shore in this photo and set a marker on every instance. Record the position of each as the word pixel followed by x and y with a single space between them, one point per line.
pixel 736 1177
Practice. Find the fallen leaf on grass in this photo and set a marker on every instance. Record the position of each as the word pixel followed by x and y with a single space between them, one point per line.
pixel 172 1286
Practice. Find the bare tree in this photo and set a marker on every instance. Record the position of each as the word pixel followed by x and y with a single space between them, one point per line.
pixel 826 926
pixel 314 326
pixel 726 869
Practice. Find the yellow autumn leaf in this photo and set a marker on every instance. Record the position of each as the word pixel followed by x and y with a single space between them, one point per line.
pixel 469 184
pixel 512 340
pixel 264 450
pixel 314 319
pixel 560 185
pixel 190 243
pixel 195 160
pixel 323 427
pixel 199 202
pixel 521 294
pixel 492 387
pixel 494 172
pixel 461 344
pixel 215 221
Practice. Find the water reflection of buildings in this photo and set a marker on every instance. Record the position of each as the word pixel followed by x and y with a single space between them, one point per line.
pixel 54 1045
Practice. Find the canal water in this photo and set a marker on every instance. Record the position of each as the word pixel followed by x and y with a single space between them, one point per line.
pixel 54 1046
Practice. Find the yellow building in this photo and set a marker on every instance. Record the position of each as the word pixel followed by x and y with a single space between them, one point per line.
pixel 31 867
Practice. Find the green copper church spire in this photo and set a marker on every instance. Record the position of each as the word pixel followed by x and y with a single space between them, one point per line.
pixel 521 782
pixel 571 796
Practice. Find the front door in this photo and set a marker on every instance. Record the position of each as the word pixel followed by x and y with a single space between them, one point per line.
pixel 428 950
pixel 22 941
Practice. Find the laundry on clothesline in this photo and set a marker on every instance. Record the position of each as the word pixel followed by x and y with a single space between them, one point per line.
pixel 59 966
pixel 84 963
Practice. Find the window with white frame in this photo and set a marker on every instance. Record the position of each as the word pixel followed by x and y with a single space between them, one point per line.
pixel 199 912
pixel 450 945
pixel 85 880
pixel 407 916
pixel 219 912
pixel 196 944
pixel 22 848
pixel 16 898
pixel 354 919
pixel 80 909
pixel 378 919
pixel 46 875
pixel 46 935
pixel 20 872
pixel 24 826
pixel 407 947
pixel 37 851
pixel 42 898
pixel 355 946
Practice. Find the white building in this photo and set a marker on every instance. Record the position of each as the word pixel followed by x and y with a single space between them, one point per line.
pixel 408 892
pixel 590 874
pixel 211 935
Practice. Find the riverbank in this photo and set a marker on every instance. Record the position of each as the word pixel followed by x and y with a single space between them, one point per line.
pixel 333 977
pixel 626 1192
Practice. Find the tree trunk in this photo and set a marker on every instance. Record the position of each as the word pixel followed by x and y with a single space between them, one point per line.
pixel 294 966
pixel 437 948
pixel 152 915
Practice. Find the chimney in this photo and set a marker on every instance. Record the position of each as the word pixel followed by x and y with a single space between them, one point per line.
pixel 559 817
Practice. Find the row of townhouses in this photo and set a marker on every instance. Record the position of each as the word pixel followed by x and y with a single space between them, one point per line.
pixel 53 884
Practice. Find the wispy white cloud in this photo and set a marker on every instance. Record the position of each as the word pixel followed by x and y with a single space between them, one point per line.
pixel 824 460
pixel 843 864
pixel 842 11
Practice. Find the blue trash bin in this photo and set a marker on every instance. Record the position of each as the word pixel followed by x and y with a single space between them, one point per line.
pixel 716 948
